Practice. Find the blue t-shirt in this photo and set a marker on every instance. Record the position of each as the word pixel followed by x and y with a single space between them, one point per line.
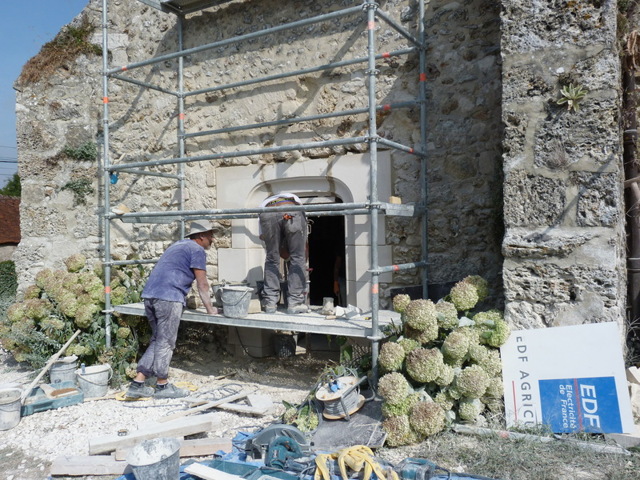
pixel 172 277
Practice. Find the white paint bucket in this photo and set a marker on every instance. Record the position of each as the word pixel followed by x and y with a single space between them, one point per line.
pixel 155 459
pixel 94 381
pixel 10 405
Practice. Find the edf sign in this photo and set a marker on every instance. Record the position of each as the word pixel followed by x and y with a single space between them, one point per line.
pixel 571 379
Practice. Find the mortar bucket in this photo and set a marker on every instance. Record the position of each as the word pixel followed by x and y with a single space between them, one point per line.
pixel 155 459
pixel 235 301
pixel 63 371
pixel 94 381
pixel 10 404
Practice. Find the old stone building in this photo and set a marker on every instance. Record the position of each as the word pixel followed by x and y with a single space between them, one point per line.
pixel 524 183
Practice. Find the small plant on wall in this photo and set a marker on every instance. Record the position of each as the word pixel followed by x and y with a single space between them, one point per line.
pixel 87 151
pixel 572 94
pixel 80 189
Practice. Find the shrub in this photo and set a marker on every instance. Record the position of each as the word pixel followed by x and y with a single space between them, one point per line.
pixel 61 302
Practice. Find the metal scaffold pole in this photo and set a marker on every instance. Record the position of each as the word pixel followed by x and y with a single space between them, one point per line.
pixel 370 7
pixel 106 177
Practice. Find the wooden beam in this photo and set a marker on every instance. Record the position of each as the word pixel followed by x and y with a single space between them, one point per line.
pixel 89 465
pixel 207 473
pixel 181 428
pixel 198 447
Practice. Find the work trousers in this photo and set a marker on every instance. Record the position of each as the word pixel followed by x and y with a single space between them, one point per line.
pixel 284 229
pixel 164 319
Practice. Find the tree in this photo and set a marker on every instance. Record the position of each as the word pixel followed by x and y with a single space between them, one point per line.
pixel 12 188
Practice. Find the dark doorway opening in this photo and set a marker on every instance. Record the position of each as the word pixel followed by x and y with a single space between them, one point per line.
pixel 327 259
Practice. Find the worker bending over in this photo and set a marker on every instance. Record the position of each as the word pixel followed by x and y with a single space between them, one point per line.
pixel 164 300
pixel 284 235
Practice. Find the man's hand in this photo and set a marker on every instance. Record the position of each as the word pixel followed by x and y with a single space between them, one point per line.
pixel 203 291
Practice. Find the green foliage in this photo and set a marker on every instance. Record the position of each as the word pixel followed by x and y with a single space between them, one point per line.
pixel 8 279
pixel 457 368
pixel 63 301
pixel 87 151
pixel 13 187
pixel 80 188
pixel 572 94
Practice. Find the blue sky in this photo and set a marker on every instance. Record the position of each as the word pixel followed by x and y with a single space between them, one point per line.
pixel 25 26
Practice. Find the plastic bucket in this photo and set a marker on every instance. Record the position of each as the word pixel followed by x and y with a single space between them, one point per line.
pixel 155 459
pixel 10 404
pixel 63 372
pixel 94 381
pixel 235 301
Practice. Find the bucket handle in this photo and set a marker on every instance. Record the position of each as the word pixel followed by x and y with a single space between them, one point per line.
pixel 100 384
pixel 240 299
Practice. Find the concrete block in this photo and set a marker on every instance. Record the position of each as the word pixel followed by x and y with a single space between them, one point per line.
pixel 626 440
pixel 256 342
pixel 239 264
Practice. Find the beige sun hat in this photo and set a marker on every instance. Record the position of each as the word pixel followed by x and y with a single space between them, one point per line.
pixel 200 226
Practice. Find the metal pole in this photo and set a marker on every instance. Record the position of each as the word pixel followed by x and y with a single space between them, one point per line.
pixel 106 177
pixel 294 120
pixel 254 151
pixel 336 207
pixel 423 147
pixel 238 39
pixel 370 8
pixel 181 137
pixel 304 71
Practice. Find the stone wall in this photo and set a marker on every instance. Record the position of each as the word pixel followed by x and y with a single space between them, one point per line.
pixel 564 245
pixel 464 125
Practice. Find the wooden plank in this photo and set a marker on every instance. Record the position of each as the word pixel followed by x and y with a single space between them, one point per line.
pixel 258 404
pixel 180 428
pixel 198 447
pixel 89 465
pixel 205 406
pixel 208 473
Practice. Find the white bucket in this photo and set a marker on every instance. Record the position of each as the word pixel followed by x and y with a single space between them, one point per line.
pixel 155 459
pixel 10 405
pixel 94 381
pixel 235 301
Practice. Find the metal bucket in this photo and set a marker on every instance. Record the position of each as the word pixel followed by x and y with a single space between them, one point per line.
pixel 235 301
pixel 156 459
pixel 63 371
pixel 94 381
pixel 10 404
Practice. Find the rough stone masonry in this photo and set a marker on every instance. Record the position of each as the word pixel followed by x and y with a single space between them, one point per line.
pixel 521 190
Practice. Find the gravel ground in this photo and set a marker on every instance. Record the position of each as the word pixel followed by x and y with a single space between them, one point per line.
pixel 27 450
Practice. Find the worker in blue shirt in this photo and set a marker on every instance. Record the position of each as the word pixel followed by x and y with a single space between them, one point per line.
pixel 164 300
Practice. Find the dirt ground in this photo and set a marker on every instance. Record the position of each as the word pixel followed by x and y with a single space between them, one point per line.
pixel 198 360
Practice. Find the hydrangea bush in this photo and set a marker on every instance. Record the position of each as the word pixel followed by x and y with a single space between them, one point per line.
pixel 62 301
pixel 442 365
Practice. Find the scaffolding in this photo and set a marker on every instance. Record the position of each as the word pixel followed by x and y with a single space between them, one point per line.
pixel 373 207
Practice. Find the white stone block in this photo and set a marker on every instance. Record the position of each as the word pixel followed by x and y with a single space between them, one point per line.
pixel 241 264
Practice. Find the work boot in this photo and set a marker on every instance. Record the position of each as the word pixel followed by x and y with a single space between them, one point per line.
pixel 297 309
pixel 270 309
pixel 139 390
pixel 170 391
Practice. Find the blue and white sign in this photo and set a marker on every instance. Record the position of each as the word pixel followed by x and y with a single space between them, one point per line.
pixel 569 378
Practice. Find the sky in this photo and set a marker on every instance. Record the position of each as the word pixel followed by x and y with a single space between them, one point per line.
pixel 25 26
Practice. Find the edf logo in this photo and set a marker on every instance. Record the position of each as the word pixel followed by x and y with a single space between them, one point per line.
pixel 572 405
pixel 589 402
